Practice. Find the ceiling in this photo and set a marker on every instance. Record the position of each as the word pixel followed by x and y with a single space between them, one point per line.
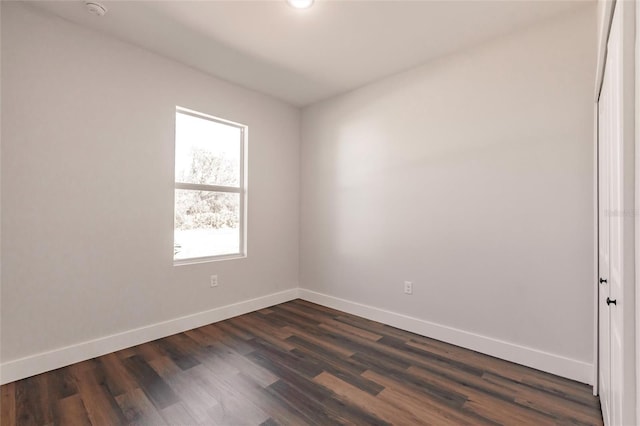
pixel 303 56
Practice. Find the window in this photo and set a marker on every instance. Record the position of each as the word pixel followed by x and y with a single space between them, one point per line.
pixel 209 188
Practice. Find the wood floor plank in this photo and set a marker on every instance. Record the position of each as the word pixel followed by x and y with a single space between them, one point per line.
pixel 365 334
pixel 176 414
pixel 240 363
pixel 229 328
pixel 567 389
pixel 262 329
pixel 384 410
pixel 223 359
pixel 148 351
pixel 178 347
pixel 72 412
pixel 294 364
pixel 429 388
pixel 235 405
pixel 138 409
pixel 298 391
pixel 321 341
pixel 426 413
pixel 372 326
pixel 460 382
pixel 61 384
pixel 8 404
pixel 504 413
pixel 291 375
pixel 303 364
pixel 397 347
pixel 346 369
pixel 328 355
pixel 438 350
pixel 225 334
pixel 118 378
pixel 538 399
pixel 311 409
pixel 197 401
pixel 27 410
pixel 280 412
pixel 314 307
pixel 125 353
pixel 287 309
pixel 101 407
pixel 151 383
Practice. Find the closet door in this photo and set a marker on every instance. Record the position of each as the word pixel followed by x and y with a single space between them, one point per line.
pixel 604 370
pixel 616 227
pixel 612 291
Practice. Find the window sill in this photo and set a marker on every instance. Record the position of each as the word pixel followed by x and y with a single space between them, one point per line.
pixel 196 260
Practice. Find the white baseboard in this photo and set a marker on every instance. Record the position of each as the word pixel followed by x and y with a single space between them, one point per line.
pixel 57 358
pixel 552 363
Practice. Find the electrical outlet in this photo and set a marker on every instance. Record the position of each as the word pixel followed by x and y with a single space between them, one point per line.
pixel 408 287
pixel 214 281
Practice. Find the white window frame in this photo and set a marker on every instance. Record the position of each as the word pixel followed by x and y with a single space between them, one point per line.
pixel 241 189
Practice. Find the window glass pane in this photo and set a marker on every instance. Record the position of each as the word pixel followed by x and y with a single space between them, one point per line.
pixel 207 223
pixel 207 152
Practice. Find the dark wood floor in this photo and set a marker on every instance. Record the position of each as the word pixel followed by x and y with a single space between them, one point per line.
pixel 297 363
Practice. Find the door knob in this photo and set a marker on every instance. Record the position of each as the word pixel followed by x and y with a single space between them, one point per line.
pixel 609 301
pixel 603 281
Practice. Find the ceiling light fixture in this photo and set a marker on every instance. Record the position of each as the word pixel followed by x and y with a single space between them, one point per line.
pixel 300 4
pixel 95 8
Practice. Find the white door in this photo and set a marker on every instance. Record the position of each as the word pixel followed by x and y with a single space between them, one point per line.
pixel 616 232
pixel 613 227
pixel 604 347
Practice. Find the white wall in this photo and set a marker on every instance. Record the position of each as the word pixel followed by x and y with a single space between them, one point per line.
pixel 87 187
pixel 470 176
